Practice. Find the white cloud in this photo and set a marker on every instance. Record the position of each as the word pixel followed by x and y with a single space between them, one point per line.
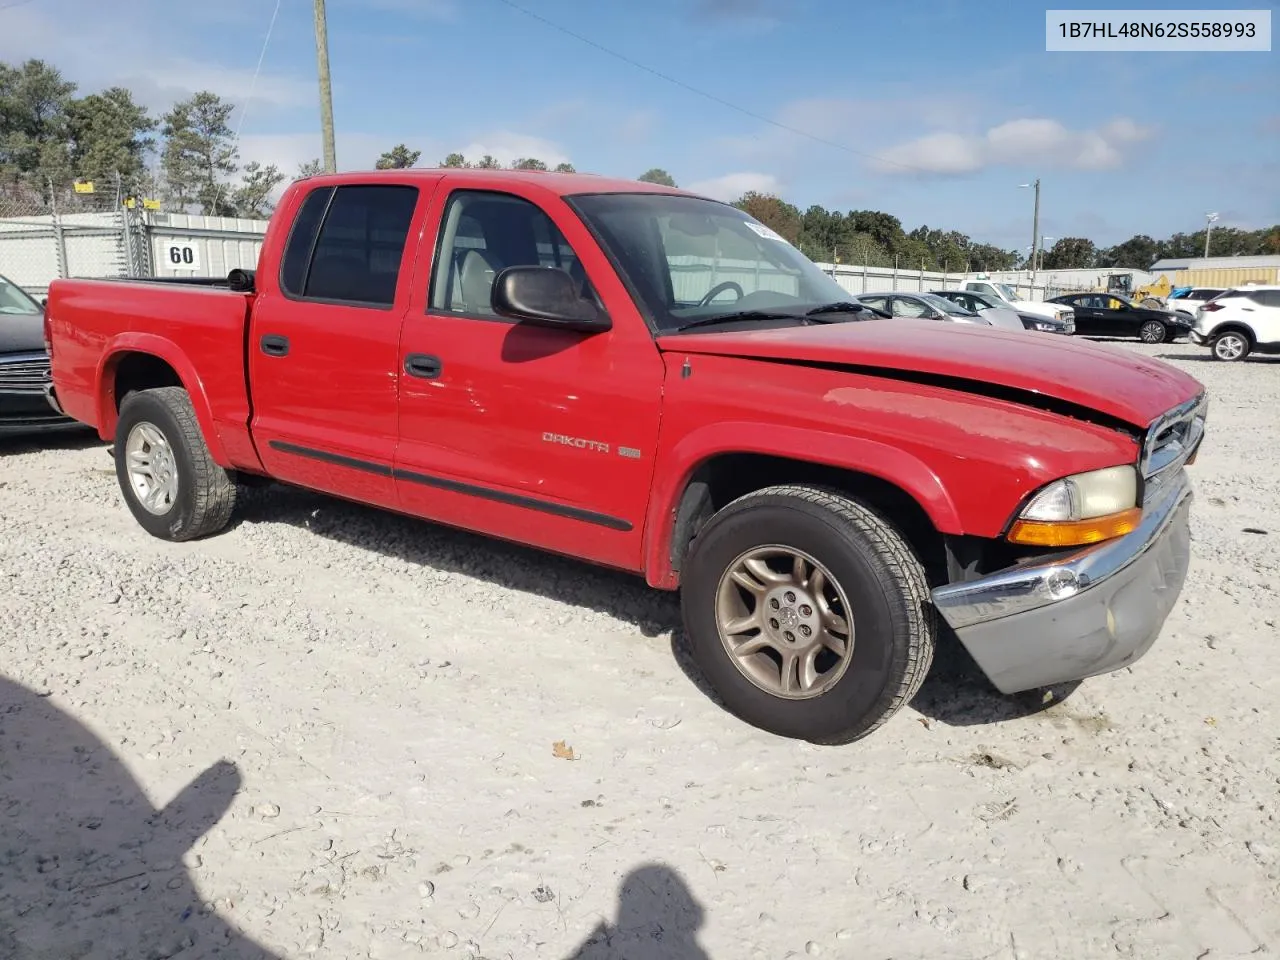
pixel 506 147
pixel 1016 142
pixel 110 52
pixel 638 126
pixel 733 185
pixel 359 151
pixel 288 151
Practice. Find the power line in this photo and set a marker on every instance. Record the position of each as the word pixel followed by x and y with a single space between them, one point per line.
pixel 709 96
pixel 253 84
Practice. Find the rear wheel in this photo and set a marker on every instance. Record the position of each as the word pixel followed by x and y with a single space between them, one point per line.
pixel 1153 331
pixel 807 613
pixel 1230 346
pixel 170 482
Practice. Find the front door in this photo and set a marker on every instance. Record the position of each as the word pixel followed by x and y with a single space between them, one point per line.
pixel 511 429
pixel 324 340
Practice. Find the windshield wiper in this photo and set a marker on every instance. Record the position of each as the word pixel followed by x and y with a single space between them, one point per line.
pixel 842 306
pixel 740 315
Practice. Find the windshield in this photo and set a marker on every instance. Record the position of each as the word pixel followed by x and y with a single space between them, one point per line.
pixel 13 300
pixel 1006 291
pixel 949 307
pixel 689 259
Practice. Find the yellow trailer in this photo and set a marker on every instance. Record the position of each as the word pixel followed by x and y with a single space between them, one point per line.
pixel 1225 277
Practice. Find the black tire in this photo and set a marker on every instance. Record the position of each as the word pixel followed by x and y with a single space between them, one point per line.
pixel 206 494
pixel 1153 331
pixel 894 622
pixel 1219 346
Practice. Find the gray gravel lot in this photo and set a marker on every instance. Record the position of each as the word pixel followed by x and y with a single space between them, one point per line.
pixel 368 707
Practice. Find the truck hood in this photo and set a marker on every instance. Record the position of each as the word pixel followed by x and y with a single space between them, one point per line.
pixel 1049 372
pixel 1037 308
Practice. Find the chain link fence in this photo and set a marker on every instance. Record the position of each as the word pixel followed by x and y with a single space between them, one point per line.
pixel 80 229
pixel 101 229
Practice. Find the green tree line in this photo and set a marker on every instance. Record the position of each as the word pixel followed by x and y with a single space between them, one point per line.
pixel 188 159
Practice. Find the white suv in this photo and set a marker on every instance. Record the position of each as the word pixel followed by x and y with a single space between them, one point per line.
pixel 1239 322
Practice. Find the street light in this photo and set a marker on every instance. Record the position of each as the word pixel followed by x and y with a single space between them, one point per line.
pixel 1210 220
pixel 1035 228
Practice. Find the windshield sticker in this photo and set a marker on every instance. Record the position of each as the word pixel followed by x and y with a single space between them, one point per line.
pixel 760 230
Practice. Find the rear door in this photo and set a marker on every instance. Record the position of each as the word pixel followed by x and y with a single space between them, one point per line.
pixel 324 339
pixel 1088 314
pixel 540 435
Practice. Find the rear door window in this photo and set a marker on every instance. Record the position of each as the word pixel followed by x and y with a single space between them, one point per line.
pixel 355 253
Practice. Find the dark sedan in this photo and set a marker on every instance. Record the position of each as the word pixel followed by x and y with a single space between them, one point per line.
pixel 25 386
pixel 1111 315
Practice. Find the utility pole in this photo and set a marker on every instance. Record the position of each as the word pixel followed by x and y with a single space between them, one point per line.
pixel 1035 237
pixel 1208 229
pixel 326 93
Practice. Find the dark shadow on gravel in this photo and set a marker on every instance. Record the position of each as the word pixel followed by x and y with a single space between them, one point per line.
pixel 618 595
pixel 1209 358
pixel 956 693
pixel 73 438
pixel 658 919
pixel 88 867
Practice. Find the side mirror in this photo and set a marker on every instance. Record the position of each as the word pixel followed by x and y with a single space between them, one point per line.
pixel 546 297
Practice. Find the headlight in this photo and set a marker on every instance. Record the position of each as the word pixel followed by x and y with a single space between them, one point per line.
pixel 1081 509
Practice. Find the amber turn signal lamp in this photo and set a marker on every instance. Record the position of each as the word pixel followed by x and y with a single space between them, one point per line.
pixel 1075 533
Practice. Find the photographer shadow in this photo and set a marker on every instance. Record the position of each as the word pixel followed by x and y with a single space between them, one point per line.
pixel 89 868
pixel 658 919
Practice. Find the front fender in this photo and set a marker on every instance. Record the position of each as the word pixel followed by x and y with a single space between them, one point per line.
pixel 157 346
pixel 871 457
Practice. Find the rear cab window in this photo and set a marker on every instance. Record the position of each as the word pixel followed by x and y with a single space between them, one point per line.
pixel 347 244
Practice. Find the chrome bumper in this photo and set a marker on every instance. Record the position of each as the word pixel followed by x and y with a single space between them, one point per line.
pixel 1088 613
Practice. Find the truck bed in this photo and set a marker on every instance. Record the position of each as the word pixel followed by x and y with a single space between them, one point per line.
pixel 114 326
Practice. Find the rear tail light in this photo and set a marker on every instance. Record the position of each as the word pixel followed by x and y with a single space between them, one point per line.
pixel 1210 307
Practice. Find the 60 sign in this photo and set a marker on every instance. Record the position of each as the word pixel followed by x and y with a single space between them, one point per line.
pixel 182 256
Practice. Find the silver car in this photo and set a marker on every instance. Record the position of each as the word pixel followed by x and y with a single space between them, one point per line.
pixel 989 308
pixel 922 306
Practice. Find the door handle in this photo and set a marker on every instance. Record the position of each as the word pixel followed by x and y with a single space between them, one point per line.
pixel 422 365
pixel 274 345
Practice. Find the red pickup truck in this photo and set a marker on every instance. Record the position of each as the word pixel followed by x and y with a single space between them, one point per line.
pixel 656 382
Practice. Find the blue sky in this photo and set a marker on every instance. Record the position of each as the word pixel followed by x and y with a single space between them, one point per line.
pixel 960 91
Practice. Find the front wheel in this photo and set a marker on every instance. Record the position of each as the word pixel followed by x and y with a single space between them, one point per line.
pixel 807 613
pixel 1230 346
pixel 172 485
pixel 1153 331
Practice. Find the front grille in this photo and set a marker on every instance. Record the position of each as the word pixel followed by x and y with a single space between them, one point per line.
pixel 24 374
pixel 1172 439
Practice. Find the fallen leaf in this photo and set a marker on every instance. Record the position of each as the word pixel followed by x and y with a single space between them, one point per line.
pixel 1211 721
pixel 561 751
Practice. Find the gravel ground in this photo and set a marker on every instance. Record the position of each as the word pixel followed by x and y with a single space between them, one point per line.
pixel 372 737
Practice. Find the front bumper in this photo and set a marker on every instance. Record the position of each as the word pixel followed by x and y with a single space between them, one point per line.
pixel 1084 614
